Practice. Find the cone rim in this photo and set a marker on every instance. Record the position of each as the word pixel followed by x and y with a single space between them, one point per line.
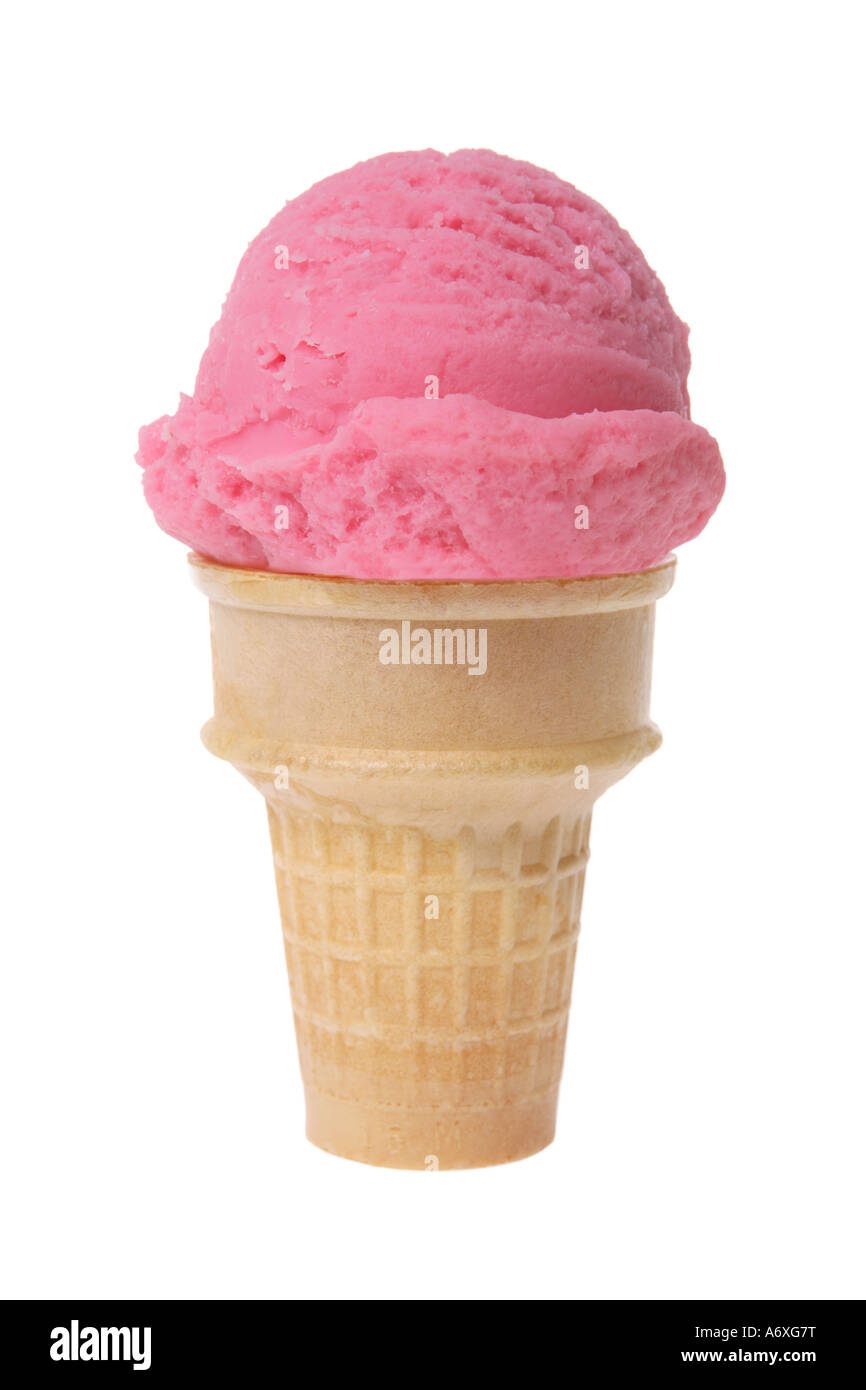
pixel 334 596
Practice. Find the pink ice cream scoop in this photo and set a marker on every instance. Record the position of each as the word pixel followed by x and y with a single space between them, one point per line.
pixel 438 367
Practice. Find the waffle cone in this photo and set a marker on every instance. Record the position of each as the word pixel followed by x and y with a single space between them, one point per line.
pixel 430 831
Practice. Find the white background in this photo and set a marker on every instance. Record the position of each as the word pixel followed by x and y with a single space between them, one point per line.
pixel 711 1130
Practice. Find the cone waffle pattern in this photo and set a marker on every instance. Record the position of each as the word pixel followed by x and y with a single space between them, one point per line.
pixel 459 1013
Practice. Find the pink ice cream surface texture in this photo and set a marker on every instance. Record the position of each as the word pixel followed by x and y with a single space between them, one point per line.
pixel 441 367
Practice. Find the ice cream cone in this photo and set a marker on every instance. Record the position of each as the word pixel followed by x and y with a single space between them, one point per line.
pixel 430 828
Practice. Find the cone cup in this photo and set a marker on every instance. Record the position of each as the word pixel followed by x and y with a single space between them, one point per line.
pixel 430 828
